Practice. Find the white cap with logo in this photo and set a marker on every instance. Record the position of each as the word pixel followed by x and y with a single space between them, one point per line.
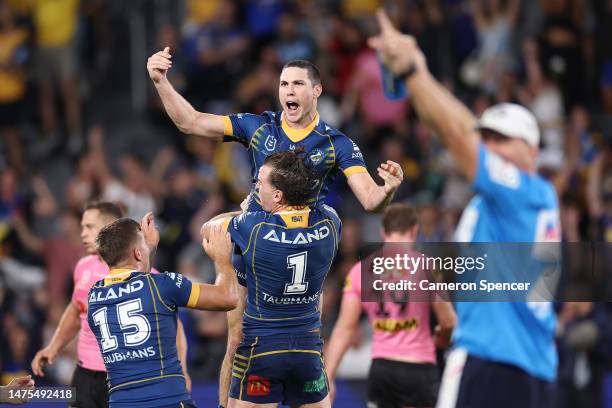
pixel 511 120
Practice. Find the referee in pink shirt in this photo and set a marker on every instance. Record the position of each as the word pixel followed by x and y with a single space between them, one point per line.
pixel 89 377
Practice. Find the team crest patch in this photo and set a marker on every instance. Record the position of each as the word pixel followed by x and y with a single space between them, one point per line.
pixel 315 385
pixel 257 386
pixel 270 143
pixel 316 156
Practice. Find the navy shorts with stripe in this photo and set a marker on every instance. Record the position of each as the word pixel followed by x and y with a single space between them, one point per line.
pixel 285 368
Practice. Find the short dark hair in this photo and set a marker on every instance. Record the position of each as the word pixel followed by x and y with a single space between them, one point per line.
pixel 313 72
pixel 106 209
pixel 115 240
pixel 399 217
pixel 291 175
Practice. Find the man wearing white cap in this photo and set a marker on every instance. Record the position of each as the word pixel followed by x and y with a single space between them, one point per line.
pixel 504 353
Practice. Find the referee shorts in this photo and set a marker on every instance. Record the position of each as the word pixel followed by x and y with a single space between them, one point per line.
pixel 473 382
pixel 91 388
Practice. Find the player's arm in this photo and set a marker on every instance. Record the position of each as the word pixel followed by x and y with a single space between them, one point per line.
pixel 436 106
pixel 65 332
pixel 185 117
pixel 221 219
pixel 222 295
pixel 234 338
pixel 181 349
pixel 372 196
pixel 343 334
pixel 445 314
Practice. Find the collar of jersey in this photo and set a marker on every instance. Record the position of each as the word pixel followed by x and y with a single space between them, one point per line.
pixel 120 271
pixel 290 210
pixel 296 135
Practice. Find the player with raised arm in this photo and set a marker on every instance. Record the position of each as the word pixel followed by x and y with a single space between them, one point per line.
pixel 504 352
pixel 297 126
pixel 403 371
pixel 133 313
pixel 89 377
pixel 287 248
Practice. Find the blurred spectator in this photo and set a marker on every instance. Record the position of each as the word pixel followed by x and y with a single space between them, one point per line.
pixel 561 44
pixel 13 86
pixel 262 17
pixel 291 43
pixel 135 187
pixel 345 44
pixel 214 52
pixel 599 194
pixel 494 22
pixel 364 98
pixel 55 24
pixel 60 252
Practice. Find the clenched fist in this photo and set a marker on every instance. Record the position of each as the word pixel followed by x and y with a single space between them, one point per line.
pixel 158 64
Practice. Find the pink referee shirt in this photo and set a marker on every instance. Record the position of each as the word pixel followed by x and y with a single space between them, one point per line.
pixel 88 271
pixel 397 334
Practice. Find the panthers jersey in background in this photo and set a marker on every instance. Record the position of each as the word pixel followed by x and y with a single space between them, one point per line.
pixel 287 256
pixel 134 318
pixel 327 150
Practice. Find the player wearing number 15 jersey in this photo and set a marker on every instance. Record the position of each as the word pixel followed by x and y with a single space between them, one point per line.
pixel 287 249
pixel 133 314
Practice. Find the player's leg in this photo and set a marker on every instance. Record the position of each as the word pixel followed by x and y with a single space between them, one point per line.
pixel 234 403
pixel 325 403
pixel 234 338
pixel 307 384
pixel 257 373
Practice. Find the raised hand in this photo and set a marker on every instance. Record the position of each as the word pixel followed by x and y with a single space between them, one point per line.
pixel 392 175
pixel 149 230
pixel 218 246
pixel 158 64
pixel 399 52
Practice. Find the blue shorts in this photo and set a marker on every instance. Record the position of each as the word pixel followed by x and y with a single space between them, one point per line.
pixel 472 382
pixel 285 368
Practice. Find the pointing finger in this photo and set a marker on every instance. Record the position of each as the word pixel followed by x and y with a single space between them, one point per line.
pixel 385 24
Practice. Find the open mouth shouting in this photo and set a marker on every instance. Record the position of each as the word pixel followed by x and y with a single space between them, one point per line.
pixel 292 108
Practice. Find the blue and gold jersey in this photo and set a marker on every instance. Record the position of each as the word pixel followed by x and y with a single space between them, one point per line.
pixel 134 318
pixel 286 256
pixel 328 150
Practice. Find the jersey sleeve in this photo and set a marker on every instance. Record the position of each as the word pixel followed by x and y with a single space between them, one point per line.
pixel 349 158
pixel 176 290
pixel 335 219
pixel 241 127
pixel 352 283
pixel 240 228
pixel 502 182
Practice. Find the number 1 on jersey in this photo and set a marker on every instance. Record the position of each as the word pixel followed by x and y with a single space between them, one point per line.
pixel 297 263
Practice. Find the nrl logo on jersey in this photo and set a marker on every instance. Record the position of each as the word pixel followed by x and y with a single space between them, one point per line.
pixel 300 238
pixel 270 143
pixel 316 156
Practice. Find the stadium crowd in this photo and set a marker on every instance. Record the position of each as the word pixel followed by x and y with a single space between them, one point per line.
pixel 73 130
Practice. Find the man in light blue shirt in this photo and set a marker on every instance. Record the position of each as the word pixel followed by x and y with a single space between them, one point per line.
pixel 504 352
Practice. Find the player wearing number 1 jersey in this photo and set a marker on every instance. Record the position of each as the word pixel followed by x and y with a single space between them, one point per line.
pixel 298 125
pixel 133 314
pixel 288 249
